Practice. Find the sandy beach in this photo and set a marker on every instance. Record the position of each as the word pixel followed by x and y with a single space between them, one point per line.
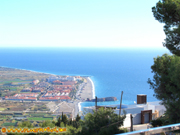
pixel 88 90
pixel 85 91
pixel 93 88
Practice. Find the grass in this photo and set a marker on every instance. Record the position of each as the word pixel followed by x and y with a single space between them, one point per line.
pixel 37 114
pixel 16 81
pixel 8 124
pixel 13 88
pixel 2 109
pixel 4 118
pixel 38 118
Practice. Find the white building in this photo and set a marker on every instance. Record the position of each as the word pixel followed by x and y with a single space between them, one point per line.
pixel 142 113
pixel 71 78
pixel 54 78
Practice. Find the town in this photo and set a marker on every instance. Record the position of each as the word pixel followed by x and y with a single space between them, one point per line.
pixel 33 96
pixel 55 89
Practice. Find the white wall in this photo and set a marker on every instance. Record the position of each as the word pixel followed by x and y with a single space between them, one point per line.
pixel 160 107
pixel 131 110
pixel 136 119
pixel 127 121
pixel 150 107
pixel 135 110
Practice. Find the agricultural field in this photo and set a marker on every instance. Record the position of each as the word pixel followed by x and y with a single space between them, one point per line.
pixel 6 119
pixel 39 118
pixel 22 106
pixel 38 114
pixel 2 109
pixel 15 82
pixel 14 106
pixel 9 124
pixel 15 74
pixel 12 81
pixel 40 107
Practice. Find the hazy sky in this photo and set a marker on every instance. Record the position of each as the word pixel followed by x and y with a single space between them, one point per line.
pixel 79 23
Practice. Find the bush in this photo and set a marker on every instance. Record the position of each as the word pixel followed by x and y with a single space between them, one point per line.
pixel 157 122
pixel 123 130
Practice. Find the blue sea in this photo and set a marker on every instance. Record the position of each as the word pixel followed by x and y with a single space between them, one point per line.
pixel 112 69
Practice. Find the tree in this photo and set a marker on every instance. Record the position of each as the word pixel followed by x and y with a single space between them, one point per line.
pixel 78 117
pixel 166 84
pixel 64 119
pixel 96 123
pixel 26 124
pixel 48 123
pixel 58 122
pixel 13 121
pixel 168 12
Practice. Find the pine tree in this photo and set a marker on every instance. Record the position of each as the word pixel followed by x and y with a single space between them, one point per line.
pixel 78 117
pixel 58 122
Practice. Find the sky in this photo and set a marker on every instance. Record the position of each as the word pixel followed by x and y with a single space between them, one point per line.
pixel 79 23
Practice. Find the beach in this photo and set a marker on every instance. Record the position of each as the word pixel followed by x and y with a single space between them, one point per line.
pixel 87 92
pixel 93 88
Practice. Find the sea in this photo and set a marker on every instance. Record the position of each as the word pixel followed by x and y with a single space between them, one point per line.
pixel 112 70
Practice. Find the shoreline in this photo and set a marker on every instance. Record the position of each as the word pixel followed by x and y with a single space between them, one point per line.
pixel 89 81
pixel 92 93
pixel 28 70
pixel 79 107
pixel 93 88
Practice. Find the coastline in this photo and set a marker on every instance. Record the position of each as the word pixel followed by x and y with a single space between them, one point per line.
pixel 28 70
pixel 93 88
pixel 79 107
pixel 89 92
pixel 46 73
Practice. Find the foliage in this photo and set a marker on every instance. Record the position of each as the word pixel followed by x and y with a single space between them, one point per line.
pixel 47 123
pixel 157 122
pixel 58 122
pixel 62 120
pixel 123 130
pixel 72 130
pixel 163 120
pixel 96 123
pixel 104 122
pixel 78 117
pixel 38 118
pixel 168 12
pixel 26 124
pixel 166 84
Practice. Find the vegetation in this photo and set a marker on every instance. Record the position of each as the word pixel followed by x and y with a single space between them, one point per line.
pixel 39 107
pixel 15 75
pixel 8 124
pixel 166 84
pixel 38 118
pixel 166 68
pixel 72 93
pixel 168 12
pixel 26 124
pixel 102 122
